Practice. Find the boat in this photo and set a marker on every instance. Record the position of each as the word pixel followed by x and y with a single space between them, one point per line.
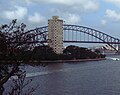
pixel 116 59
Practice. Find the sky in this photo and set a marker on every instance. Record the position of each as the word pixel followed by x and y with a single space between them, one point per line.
pixel 102 15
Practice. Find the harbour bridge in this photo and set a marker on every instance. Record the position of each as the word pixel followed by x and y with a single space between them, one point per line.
pixel 71 34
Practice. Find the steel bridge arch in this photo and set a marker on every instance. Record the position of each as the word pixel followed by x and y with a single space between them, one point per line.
pixel 105 38
pixel 31 35
pixel 93 32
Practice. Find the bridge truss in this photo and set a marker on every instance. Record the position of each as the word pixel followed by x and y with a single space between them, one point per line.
pixel 72 34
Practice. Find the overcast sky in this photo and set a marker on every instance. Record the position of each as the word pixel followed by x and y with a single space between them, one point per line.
pixel 103 15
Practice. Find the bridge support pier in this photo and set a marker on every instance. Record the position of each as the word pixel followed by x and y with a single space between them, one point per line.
pixel 119 48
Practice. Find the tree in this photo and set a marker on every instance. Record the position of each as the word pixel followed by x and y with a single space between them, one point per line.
pixel 97 51
pixel 43 53
pixel 3 46
pixel 12 50
pixel 19 84
pixel 7 34
pixel 75 52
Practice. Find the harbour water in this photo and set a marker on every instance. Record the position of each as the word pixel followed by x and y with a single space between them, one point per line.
pixel 80 78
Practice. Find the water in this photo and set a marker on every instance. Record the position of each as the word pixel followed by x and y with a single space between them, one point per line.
pixel 82 78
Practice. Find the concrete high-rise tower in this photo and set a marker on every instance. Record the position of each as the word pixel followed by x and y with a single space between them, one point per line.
pixel 55 34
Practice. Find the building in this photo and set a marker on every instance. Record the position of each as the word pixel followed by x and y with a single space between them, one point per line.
pixel 55 34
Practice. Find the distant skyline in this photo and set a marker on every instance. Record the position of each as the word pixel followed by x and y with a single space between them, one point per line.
pixel 103 15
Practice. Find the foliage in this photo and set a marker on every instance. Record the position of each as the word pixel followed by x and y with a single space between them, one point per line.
pixel 43 53
pixel 19 83
pixel 15 53
pixel 6 72
pixel 80 53
pixel 9 52
pixel 97 51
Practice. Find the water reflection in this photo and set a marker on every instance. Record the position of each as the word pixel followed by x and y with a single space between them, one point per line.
pixel 54 85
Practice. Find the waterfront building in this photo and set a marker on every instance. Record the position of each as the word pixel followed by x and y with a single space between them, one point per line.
pixel 55 34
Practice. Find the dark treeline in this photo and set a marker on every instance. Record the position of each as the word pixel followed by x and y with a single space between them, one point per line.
pixel 41 53
pixel 75 52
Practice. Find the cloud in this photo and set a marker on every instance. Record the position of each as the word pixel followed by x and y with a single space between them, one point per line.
pixel 80 5
pixel 113 15
pixel 71 18
pixel 36 18
pixel 116 2
pixel 103 22
pixel 68 17
pixel 90 5
pixel 18 13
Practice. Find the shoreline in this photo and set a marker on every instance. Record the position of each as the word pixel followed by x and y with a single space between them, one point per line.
pixel 76 60
pixel 54 61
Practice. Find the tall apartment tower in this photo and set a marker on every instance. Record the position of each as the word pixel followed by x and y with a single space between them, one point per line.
pixel 55 34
